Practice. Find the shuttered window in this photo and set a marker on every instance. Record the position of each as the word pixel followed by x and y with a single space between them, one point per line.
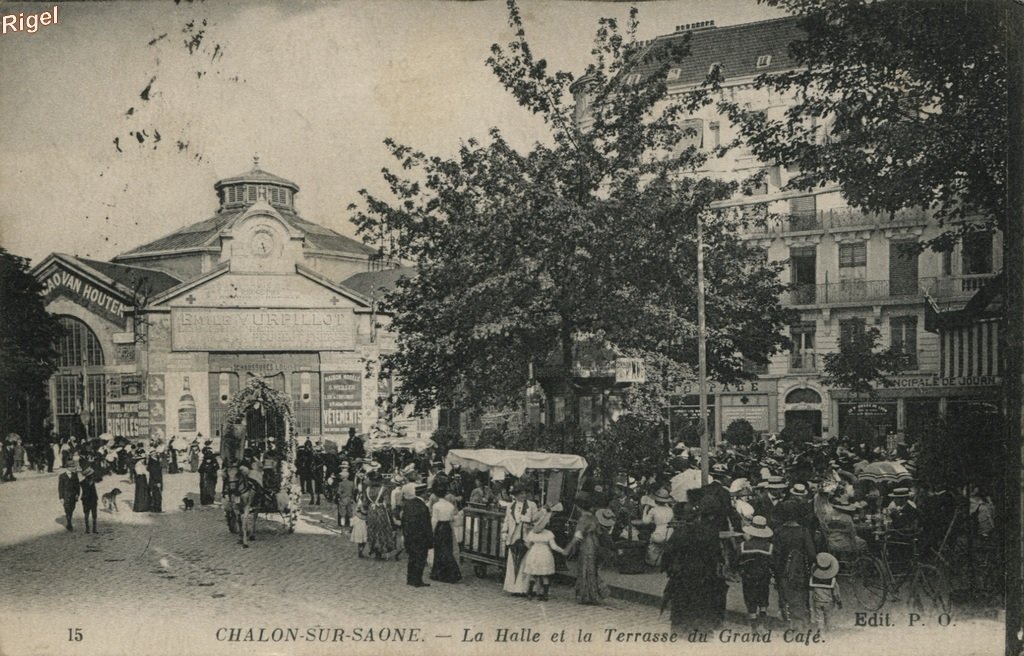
pixel 853 255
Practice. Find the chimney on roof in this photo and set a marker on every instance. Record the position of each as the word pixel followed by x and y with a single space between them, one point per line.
pixel 694 27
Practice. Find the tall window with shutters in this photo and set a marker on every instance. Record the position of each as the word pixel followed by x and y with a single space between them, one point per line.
pixel 853 260
pixel 803 212
pixel 850 331
pixel 903 340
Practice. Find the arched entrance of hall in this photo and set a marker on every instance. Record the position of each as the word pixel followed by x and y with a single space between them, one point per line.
pixel 259 418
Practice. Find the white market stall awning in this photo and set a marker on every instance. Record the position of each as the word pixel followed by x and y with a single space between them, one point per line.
pixel 515 463
pixel 418 445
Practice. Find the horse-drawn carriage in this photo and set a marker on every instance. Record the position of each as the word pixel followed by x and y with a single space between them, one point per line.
pixel 258 450
pixel 248 492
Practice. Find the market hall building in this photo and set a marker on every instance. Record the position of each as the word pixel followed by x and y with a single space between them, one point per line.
pixel 160 338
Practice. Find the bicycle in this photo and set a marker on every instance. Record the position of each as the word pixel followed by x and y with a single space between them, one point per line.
pixel 877 579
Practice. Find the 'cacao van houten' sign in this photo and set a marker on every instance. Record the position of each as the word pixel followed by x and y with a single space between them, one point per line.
pixel 96 300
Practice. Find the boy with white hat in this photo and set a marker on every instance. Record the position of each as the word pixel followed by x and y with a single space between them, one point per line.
pixel 755 564
pixel 824 590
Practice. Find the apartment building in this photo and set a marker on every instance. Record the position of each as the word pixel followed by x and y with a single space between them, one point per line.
pixel 849 270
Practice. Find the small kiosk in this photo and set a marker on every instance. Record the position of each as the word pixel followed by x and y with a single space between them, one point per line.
pixel 558 475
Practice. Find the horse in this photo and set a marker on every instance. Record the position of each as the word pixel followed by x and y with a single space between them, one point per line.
pixel 241 493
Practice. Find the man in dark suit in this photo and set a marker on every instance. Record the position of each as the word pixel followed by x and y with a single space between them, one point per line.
pixel 717 500
pixel 418 534
pixel 68 490
pixel 89 497
pixel 156 482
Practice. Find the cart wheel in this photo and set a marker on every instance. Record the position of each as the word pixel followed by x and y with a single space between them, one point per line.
pixel 480 570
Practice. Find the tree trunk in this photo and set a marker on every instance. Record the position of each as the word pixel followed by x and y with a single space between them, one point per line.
pixel 572 404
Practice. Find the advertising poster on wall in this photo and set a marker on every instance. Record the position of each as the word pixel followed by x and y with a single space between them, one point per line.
pixel 187 404
pixel 343 402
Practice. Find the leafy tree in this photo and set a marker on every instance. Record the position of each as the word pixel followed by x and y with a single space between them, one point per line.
pixel 739 432
pixel 589 234
pixel 631 445
pixel 859 367
pixel 797 431
pixel 901 103
pixel 446 439
pixel 964 449
pixel 28 348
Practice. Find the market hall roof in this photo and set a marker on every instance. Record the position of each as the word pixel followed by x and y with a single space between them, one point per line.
pixel 377 283
pixel 238 193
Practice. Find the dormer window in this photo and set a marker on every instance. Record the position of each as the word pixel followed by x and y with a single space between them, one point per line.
pixel 632 78
pixel 764 61
pixel 714 68
pixel 674 73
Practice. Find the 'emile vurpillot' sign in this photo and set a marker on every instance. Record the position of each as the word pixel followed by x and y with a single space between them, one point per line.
pixel 86 294
pixel 227 329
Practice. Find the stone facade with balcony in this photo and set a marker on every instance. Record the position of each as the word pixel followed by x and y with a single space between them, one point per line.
pixel 848 270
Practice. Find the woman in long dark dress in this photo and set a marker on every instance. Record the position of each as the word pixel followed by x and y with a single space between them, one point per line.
pixel 208 478
pixel 590 590
pixel 380 533
pixel 692 559
pixel 172 452
pixel 193 456
pixel 156 482
pixel 794 552
pixel 445 568
pixel 141 486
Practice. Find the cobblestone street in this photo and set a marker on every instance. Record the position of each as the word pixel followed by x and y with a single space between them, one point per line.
pixel 156 584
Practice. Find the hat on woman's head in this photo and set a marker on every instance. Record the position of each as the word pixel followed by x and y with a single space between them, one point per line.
pixel 605 517
pixel 758 528
pixel 541 521
pixel 662 496
pixel 825 566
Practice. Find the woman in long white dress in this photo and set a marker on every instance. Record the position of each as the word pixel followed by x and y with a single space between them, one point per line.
pixel 519 519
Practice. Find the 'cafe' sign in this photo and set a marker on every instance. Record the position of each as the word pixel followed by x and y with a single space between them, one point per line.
pixel 88 295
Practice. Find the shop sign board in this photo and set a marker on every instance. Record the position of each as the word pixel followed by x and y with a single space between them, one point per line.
pixel 343 401
pixel 274 329
pixel 65 283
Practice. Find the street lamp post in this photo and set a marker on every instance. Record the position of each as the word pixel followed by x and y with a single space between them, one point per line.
pixel 702 363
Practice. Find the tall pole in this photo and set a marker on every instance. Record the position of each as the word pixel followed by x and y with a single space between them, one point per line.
pixel 702 357
pixel 1013 328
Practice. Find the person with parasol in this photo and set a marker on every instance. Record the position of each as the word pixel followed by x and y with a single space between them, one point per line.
pixel 519 518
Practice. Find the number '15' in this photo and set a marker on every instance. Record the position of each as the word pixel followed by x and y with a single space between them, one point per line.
pixel 75 635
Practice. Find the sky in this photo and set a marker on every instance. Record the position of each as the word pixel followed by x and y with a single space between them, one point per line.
pixel 312 88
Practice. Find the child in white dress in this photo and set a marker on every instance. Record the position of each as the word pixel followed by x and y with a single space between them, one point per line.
pixel 539 562
pixel 359 533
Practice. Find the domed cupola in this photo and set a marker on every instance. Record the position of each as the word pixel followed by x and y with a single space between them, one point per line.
pixel 243 190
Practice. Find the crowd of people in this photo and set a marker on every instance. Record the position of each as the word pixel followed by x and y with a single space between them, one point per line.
pixel 783 513
pixel 772 514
